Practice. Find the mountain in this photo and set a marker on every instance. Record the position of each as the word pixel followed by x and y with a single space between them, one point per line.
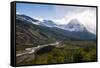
pixel 27 19
pixel 48 23
pixel 28 32
pixel 74 25
pixel 77 30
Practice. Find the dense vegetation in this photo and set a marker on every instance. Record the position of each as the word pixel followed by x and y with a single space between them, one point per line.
pixel 70 51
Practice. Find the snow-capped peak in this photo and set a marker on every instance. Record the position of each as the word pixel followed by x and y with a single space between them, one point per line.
pixel 74 25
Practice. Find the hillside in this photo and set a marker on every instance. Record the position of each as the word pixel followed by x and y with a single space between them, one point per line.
pixel 30 34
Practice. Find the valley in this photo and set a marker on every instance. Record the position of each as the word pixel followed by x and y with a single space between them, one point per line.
pixel 44 42
pixel 62 52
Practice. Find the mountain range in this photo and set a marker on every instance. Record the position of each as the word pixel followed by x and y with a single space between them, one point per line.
pixel 33 31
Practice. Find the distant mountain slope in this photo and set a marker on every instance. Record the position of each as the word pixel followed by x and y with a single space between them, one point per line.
pixel 27 19
pixel 48 23
pixel 28 32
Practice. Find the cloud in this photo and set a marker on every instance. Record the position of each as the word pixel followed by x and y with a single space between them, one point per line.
pixel 87 17
pixel 17 13
pixel 63 14
pixel 40 19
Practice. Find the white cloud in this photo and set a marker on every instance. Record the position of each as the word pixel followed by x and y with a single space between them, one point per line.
pixel 40 19
pixel 87 18
pixel 17 13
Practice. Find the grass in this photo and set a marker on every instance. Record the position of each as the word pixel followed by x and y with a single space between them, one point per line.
pixel 23 47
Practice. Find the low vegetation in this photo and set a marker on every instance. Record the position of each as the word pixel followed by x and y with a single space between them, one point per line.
pixel 71 51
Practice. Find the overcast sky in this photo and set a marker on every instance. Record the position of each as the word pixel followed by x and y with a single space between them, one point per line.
pixel 60 14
